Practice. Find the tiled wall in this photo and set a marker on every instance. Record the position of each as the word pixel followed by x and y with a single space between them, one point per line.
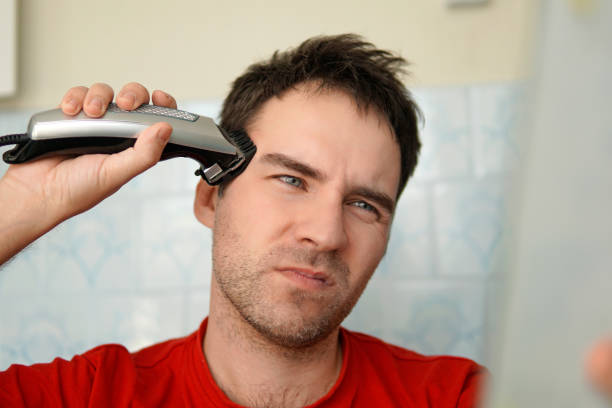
pixel 136 269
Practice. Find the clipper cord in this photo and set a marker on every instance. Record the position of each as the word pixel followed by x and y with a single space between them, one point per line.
pixel 14 139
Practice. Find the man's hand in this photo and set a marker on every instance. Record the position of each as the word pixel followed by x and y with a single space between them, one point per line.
pixel 36 196
pixel 598 366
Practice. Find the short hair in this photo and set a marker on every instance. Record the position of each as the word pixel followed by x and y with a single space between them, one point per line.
pixel 341 62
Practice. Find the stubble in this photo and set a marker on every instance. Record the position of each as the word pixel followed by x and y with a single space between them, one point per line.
pixel 286 319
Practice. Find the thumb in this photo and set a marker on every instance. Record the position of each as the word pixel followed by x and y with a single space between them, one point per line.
pixel 121 167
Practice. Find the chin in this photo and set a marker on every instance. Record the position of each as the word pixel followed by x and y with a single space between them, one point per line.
pixel 294 334
pixel 294 326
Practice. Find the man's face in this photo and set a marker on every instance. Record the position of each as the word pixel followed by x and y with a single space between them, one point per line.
pixel 298 235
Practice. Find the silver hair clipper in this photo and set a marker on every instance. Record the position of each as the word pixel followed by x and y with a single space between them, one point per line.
pixel 221 155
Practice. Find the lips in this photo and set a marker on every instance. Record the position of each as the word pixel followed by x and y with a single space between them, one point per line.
pixel 317 277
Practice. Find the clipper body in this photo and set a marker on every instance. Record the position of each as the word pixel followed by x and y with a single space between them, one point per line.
pixel 221 155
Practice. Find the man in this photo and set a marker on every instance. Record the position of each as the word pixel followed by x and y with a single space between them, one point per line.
pixel 296 237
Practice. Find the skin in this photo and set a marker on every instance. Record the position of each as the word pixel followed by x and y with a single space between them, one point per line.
pixel 598 366
pixel 320 194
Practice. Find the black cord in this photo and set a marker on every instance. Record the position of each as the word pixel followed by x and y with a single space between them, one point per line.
pixel 14 139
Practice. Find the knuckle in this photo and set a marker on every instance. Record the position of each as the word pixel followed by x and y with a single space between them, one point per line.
pixel 102 89
pixel 137 88
pixel 72 101
pixel 101 85
pixel 164 99
pixel 144 157
pixel 150 159
pixel 78 89
pixel 133 84
pixel 76 92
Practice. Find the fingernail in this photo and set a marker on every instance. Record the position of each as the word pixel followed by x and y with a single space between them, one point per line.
pixel 96 104
pixel 70 105
pixel 128 99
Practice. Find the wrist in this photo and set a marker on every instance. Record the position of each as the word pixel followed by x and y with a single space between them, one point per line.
pixel 23 219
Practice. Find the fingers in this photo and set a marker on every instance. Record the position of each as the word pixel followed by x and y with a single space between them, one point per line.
pixel 97 99
pixel 599 366
pixel 132 96
pixel 72 102
pixel 161 98
pixel 94 100
pixel 119 168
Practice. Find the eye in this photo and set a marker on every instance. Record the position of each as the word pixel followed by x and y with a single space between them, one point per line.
pixel 365 206
pixel 292 181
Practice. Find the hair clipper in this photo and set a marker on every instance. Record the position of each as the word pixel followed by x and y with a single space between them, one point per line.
pixel 221 155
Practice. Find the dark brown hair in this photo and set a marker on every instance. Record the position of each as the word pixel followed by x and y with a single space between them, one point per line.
pixel 344 62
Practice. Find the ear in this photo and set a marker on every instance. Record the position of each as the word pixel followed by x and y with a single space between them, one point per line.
pixel 205 203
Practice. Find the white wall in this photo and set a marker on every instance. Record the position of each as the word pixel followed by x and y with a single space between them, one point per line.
pixel 8 47
pixel 561 302
pixel 194 48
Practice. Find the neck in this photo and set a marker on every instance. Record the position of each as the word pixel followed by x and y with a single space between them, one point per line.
pixel 253 371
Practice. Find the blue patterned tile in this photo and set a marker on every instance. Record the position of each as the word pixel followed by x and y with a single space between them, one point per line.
pixel 174 176
pixel 44 327
pixel 25 272
pixel 94 249
pixel 409 252
pixel 137 320
pixel 175 248
pixel 197 308
pixel 446 151
pixel 470 227
pixel 497 116
pixel 368 314
pixel 436 317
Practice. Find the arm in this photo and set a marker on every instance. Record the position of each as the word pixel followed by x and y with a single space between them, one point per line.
pixel 36 196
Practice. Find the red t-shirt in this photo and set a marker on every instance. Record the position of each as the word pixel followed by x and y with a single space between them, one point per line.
pixel 175 373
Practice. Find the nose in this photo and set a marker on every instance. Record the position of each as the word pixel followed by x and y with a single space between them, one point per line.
pixel 321 225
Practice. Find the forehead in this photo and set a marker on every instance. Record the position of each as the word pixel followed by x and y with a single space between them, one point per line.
pixel 326 129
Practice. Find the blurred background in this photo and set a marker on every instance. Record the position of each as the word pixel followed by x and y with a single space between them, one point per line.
pixel 501 177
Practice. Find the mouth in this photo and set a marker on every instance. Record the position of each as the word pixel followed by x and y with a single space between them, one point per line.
pixel 306 277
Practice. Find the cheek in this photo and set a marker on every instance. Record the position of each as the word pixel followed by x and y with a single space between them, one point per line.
pixel 368 244
pixel 254 212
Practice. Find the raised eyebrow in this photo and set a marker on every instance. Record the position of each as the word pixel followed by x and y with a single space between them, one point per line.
pixel 382 199
pixel 279 159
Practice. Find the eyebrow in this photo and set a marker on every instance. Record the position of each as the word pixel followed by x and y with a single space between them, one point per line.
pixel 382 199
pixel 279 159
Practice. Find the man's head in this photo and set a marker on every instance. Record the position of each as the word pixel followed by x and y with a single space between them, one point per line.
pixel 298 234
pixel 346 63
